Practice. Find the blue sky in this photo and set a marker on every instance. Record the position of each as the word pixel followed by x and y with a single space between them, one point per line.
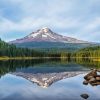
pixel 74 18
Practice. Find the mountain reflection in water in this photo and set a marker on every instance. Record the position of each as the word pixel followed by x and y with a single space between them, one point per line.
pixel 47 79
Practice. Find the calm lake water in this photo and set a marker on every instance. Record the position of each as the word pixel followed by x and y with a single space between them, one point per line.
pixel 16 87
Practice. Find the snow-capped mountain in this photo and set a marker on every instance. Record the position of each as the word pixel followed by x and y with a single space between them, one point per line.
pixel 46 35
pixel 45 38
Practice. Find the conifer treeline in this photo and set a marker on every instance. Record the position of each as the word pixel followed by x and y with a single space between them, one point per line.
pixel 88 52
pixel 11 50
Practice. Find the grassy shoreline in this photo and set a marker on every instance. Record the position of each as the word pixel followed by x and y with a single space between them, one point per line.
pixel 29 58
pixel 98 60
pixel 15 58
pixel 25 58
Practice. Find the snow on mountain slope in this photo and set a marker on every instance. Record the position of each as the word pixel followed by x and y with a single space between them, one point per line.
pixel 47 35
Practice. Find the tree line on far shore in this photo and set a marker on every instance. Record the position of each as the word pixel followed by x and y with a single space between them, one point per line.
pixel 11 50
pixel 88 52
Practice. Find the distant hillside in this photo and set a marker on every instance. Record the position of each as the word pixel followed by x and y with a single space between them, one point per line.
pixel 54 45
pixel 91 48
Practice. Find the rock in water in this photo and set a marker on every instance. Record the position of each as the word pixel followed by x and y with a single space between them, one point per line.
pixel 98 78
pixel 89 77
pixel 85 82
pixel 92 73
pixel 92 80
pixel 85 96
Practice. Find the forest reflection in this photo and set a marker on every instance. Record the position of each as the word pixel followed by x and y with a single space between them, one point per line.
pixel 11 65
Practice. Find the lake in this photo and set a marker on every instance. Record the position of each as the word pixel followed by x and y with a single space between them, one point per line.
pixel 46 79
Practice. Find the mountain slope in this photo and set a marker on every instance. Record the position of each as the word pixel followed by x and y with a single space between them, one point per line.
pixel 54 45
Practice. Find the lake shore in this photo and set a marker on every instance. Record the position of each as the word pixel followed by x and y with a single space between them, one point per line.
pixel 25 58
pixel 30 58
pixel 98 60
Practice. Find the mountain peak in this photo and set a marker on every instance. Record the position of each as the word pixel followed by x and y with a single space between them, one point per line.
pixel 45 30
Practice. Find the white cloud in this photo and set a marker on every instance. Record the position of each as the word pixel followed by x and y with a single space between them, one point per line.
pixel 73 17
pixel 92 25
pixel 30 23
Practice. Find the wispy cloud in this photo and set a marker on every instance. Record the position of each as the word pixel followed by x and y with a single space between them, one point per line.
pixel 75 18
